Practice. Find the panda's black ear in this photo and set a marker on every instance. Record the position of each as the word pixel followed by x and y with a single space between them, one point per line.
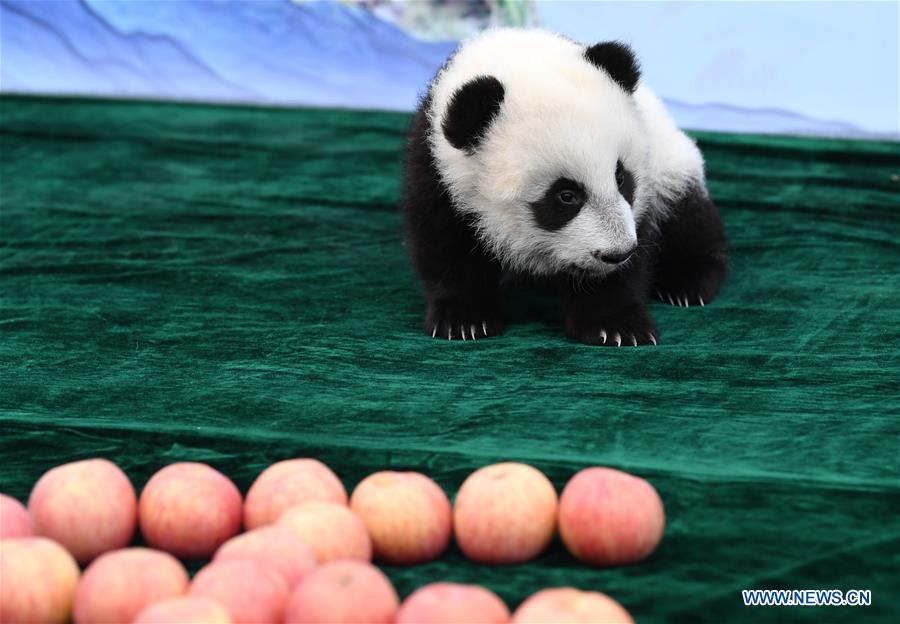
pixel 616 59
pixel 471 110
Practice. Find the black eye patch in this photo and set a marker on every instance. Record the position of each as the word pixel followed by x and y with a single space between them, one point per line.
pixel 625 182
pixel 560 204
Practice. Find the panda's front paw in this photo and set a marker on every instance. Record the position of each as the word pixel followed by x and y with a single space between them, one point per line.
pixel 614 331
pixel 462 323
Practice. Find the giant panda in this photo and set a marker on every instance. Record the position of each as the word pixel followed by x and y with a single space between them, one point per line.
pixel 534 156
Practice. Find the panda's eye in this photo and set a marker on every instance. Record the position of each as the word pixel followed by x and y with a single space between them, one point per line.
pixel 620 174
pixel 567 198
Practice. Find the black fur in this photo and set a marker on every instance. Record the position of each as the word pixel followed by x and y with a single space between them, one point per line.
pixel 690 264
pixel 616 59
pixel 552 214
pixel 471 110
pixel 461 281
pixel 681 261
pixel 625 181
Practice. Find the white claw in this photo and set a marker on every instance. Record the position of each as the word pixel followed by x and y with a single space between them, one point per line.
pixel 449 334
pixel 670 300
pixel 603 335
pixel 701 301
pixel 633 340
pixel 618 340
pixel 434 331
pixel 462 329
pixel 687 303
pixel 484 327
pixel 653 339
pixel 472 330
pixel 659 295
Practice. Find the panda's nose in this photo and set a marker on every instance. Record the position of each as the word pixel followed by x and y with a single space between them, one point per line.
pixel 613 257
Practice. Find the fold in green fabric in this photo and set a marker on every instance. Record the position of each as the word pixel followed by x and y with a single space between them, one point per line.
pixel 230 285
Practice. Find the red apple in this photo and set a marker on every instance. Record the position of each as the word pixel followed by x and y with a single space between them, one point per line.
pixel 505 513
pixel 566 605
pixel 184 610
pixel 451 603
pixel 276 546
pixel 332 531
pixel 407 515
pixel 287 484
pixel 249 590
pixel 189 509
pixel 88 506
pixel 38 578
pixel 14 519
pixel 343 592
pixel 608 517
pixel 120 584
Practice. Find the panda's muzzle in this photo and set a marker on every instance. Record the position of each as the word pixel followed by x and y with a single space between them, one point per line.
pixel 613 257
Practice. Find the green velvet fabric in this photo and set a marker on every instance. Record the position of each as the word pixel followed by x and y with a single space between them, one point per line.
pixel 230 285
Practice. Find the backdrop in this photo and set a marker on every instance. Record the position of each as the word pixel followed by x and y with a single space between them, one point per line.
pixel 827 68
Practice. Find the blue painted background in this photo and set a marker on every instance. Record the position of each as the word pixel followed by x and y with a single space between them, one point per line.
pixel 791 67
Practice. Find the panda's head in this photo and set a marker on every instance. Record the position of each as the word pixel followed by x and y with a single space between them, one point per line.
pixel 540 143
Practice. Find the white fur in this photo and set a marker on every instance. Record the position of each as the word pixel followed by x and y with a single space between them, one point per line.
pixel 561 117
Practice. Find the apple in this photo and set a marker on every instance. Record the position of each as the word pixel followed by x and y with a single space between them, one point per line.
pixel 505 513
pixel 88 506
pixel 343 592
pixel 289 483
pixel 407 514
pixel 38 579
pixel 277 546
pixel 332 531
pixel 189 509
pixel 251 591
pixel 182 611
pixel 120 584
pixel 608 517
pixel 452 603
pixel 567 605
pixel 15 520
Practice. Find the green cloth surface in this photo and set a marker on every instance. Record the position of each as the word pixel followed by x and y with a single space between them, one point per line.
pixel 230 285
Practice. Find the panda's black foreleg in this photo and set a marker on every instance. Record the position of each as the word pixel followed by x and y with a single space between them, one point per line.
pixel 460 281
pixel 609 312
pixel 690 262
pixel 463 300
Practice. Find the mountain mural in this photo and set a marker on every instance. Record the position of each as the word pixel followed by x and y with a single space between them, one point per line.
pixel 277 52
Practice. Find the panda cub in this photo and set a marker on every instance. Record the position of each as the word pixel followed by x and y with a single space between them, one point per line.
pixel 534 156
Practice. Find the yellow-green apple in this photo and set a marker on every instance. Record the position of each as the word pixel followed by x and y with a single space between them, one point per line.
pixel 88 506
pixel 289 483
pixel 331 530
pixel 452 603
pixel 343 592
pixel 277 546
pixel 407 515
pixel 38 579
pixel 505 513
pixel 120 584
pixel 251 591
pixel 567 605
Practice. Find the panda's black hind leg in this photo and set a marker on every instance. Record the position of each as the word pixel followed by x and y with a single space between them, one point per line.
pixel 691 261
